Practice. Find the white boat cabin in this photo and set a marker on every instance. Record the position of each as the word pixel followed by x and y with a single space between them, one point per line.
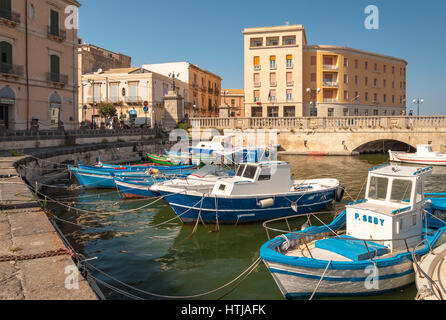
pixel 218 143
pixel 392 209
pixel 257 178
pixel 426 150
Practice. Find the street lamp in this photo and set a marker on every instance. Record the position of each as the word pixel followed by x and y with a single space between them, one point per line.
pixel 313 102
pixel 173 76
pixel 418 102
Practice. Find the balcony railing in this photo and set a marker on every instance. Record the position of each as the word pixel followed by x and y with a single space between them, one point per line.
pixel 11 69
pixel 290 83
pixel 289 65
pixel 57 78
pixel 133 100
pixel 10 16
pixel 56 33
pixel 331 84
pixel 257 84
pixel 257 68
pixel 330 67
pixel 273 84
pixel 330 100
pixel 273 66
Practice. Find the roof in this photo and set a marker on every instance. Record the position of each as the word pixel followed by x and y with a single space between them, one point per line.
pixel 121 70
pixel 362 52
pixel 400 171
pixel 233 91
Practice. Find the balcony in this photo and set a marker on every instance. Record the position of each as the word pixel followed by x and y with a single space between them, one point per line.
pixel 273 66
pixel 290 65
pixel 56 34
pixel 211 90
pixel 257 84
pixel 290 83
pixel 217 92
pixel 330 100
pixel 257 68
pixel 9 18
pixel 135 100
pixel 330 67
pixel 11 69
pixel 331 84
pixel 57 78
pixel 115 100
pixel 273 84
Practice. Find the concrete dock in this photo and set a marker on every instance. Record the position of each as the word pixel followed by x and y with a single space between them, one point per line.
pixel 34 262
pixel 434 265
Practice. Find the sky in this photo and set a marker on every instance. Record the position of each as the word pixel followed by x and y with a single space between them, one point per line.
pixel 209 34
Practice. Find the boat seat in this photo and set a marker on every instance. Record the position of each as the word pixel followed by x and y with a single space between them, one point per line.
pixel 354 250
pixel 439 204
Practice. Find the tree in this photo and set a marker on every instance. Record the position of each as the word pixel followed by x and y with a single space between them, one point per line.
pixel 107 110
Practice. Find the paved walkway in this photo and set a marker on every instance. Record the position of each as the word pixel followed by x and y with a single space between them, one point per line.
pixel 26 230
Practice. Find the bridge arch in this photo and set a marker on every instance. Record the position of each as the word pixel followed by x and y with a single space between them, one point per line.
pixel 383 146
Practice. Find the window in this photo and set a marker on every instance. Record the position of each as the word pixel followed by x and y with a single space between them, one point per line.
pixel 375 112
pixel 256 42
pixel 366 112
pixel 366 81
pixel 289 40
pixel 345 112
pixel 384 83
pixel 356 64
pixel 313 77
pixel 289 61
pixel 393 70
pixel 356 112
pixel 55 68
pixel 346 78
pixel 289 79
pixel 375 97
pixel 313 60
pixel 272 62
pixel 256 79
pixel 54 22
pixel 96 92
pixel 250 172
pixel 375 83
pixel 345 95
pixel 289 111
pixel 5 55
pixel 384 98
pixel 378 188
pixel 272 95
pixel 240 170
pixel 331 112
pixel 313 112
pixel 256 62
pixel 401 191
pixel 114 93
pixel 272 41
pixel 384 68
pixel 32 12
pixel 289 95
pixel 256 112
pixel 222 187
pixel 376 67
pixel 273 112
pixel 393 99
pixel 393 84
pixel 345 62
pixel 256 95
pixel 133 91
pixel 366 97
pixel 366 65
pixel 356 79
pixel 272 79
pixel 265 174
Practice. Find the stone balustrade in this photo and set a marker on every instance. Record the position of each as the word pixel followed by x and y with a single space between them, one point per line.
pixel 330 123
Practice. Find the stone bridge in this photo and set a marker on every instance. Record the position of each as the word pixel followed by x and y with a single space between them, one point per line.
pixel 340 135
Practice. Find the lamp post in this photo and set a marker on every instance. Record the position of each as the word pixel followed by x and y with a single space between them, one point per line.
pixel 418 102
pixel 313 102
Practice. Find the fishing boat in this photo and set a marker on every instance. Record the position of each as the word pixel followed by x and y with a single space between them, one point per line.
pixel 163 160
pixel 103 178
pixel 141 189
pixel 257 192
pixel 111 168
pixel 366 250
pixel 425 155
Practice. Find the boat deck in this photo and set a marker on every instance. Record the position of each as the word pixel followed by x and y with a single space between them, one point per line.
pixel 435 266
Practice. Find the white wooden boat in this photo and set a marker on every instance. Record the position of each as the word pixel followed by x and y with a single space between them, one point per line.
pixel 424 155
pixel 366 250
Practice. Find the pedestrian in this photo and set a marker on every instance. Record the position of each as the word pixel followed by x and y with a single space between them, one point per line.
pixel 411 113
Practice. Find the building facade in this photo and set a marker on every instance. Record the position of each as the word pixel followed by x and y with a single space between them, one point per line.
pixel 203 97
pixel 128 89
pixel 38 67
pixel 286 77
pixel 235 99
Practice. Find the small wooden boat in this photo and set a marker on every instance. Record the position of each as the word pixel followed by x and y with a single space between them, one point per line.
pixel 367 250
pixel 258 191
pixel 163 160
pixel 424 155
pixel 141 189
pixel 92 178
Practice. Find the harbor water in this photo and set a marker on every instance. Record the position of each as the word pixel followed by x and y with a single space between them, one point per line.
pixel 169 259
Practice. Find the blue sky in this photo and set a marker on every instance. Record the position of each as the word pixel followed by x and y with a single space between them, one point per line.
pixel 208 33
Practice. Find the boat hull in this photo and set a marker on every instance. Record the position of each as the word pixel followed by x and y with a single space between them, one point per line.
pixel 165 161
pixel 299 282
pixel 226 210
pixel 134 189
pixel 411 158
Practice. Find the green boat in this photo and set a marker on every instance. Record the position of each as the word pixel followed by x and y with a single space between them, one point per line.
pixel 163 160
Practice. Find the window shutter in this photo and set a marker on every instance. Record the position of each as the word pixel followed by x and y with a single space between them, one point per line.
pixel 6 52
pixel 55 65
pixel 256 61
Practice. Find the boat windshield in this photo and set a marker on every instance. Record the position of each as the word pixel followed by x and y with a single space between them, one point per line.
pixel 401 191
pixel 378 188
pixel 250 172
pixel 240 170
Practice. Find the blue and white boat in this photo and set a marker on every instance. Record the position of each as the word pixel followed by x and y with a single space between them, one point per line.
pixel 92 178
pixel 141 189
pixel 367 250
pixel 258 192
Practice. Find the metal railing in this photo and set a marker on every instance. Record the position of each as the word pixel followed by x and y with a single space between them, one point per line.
pixel 10 15
pixel 57 77
pixel 57 32
pixel 11 69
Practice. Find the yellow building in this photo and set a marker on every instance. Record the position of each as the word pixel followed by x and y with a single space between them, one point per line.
pixel 286 77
